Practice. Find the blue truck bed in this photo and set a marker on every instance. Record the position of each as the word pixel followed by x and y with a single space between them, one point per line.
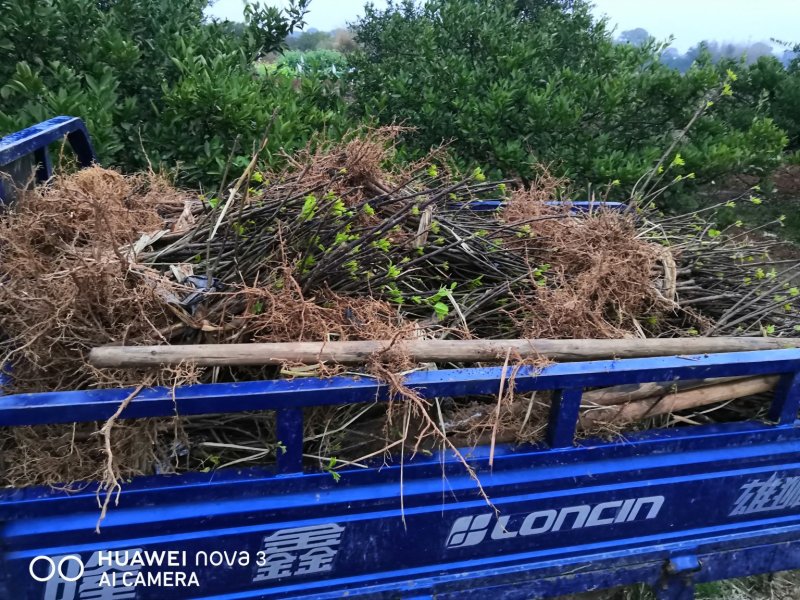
pixel 668 508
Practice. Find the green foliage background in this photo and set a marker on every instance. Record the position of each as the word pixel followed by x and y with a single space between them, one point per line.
pixel 155 82
pixel 510 84
pixel 516 83
pixel 314 63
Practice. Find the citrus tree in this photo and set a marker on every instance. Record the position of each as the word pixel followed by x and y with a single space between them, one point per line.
pixel 156 81
pixel 512 84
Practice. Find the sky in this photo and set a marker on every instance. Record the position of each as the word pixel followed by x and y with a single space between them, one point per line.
pixel 689 21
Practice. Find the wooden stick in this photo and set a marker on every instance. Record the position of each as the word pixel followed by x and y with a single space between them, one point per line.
pixel 635 411
pixel 622 394
pixel 126 357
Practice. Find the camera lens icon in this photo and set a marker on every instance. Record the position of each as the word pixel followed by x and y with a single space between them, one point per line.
pixel 68 568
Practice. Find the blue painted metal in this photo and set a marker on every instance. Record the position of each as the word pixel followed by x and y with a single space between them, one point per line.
pixel 61 407
pixel 678 578
pixel 786 402
pixel 579 516
pixel 575 205
pixel 566 405
pixel 289 428
pixel 35 140
pixel 667 508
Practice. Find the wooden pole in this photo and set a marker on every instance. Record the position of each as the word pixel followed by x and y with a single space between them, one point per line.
pixel 636 411
pixel 126 357
pixel 622 394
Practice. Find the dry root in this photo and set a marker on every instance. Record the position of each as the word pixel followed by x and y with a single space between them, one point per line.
pixel 67 286
pixel 591 276
pixel 68 456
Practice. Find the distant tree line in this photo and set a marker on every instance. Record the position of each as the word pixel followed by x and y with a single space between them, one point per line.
pixel 340 40
pixel 715 51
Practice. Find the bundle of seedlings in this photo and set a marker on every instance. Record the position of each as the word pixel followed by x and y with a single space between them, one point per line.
pixel 346 247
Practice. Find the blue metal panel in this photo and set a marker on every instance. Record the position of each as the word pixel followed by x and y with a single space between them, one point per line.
pixel 586 516
pixel 290 439
pixel 34 140
pixel 564 411
pixel 61 407
pixel 786 402
pixel 575 205
pixel 577 515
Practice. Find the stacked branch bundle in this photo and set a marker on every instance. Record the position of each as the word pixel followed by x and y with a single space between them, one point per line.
pixel 401 267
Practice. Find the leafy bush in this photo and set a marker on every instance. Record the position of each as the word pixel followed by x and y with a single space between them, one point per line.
pixel 156 82
pixel 766 87
pixel 786 104
pixel 516 83
pixel 210 106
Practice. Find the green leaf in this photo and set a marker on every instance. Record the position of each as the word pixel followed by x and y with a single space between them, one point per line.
pixel 382 244
pixel 441 309
pixel 338 208
pixel 309 208
pixel 727 90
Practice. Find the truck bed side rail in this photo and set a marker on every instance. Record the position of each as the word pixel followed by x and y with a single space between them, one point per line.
pixel 666 507
pixel 34 141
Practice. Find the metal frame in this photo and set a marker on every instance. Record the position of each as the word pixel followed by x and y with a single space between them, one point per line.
pixel 288 397
pixel 668 508
pixel 706 527
pixel 35 140
pixel 578 206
